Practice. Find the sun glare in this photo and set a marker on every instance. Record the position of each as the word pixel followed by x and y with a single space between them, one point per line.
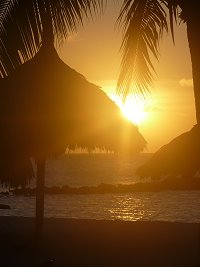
pixel 134 113
pixel 132 110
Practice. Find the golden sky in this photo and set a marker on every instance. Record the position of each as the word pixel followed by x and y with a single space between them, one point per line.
pixel 94 52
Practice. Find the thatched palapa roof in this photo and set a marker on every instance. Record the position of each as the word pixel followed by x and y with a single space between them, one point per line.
pixel 180 157
pixel 46 107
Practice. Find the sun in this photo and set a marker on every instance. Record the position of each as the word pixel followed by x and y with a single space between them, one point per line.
pixel 134 113
pixel 132 109
pixel 135 108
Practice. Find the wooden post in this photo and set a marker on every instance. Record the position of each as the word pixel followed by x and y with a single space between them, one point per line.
pixel 39 216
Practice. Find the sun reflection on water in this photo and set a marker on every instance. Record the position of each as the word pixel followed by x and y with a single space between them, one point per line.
pixel 128 210
pixel 145 206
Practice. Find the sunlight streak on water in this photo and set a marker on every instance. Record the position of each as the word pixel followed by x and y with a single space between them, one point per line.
pixel 182 206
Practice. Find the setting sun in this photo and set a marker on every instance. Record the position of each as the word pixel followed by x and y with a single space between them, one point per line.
pixel 131 109
pixel 134 113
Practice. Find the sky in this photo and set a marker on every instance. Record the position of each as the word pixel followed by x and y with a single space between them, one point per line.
pixel 94 51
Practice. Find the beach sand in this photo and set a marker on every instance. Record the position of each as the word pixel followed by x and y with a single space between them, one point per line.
pixel 74 242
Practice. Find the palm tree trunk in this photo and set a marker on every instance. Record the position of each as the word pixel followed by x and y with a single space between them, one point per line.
pixel 193 32
pixel 39 217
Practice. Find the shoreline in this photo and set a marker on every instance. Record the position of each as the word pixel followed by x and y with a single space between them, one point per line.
pixel 168 184
pixel 86 242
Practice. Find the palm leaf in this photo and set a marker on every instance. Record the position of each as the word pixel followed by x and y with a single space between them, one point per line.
pixel 22 25
pixel 15 34
pixel 143 22
pixel 172 7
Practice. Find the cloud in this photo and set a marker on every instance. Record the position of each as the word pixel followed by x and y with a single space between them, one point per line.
pixel 186 82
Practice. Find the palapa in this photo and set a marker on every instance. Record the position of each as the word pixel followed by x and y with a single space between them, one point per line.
pixel 180 157
pixel 46 107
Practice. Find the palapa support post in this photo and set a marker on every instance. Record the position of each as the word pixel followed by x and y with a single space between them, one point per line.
pixel 39 216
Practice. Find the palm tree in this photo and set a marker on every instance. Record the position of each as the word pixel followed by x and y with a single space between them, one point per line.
pixel 144 22
pixel 25 25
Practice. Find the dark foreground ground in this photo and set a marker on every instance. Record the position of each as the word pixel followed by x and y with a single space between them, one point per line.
pixel 100 243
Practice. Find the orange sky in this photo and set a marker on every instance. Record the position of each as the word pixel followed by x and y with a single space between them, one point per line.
pixel 94 52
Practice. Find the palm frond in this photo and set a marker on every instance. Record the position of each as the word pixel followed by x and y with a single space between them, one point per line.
pixel 22 25
pixel 68 15
pixel 19 34
pixel 5 8
pixel 144 22
pixel 173 8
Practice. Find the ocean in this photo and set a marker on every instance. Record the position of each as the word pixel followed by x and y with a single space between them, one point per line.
pixel 78 170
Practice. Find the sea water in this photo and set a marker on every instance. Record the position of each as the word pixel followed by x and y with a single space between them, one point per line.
pixel 91 170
